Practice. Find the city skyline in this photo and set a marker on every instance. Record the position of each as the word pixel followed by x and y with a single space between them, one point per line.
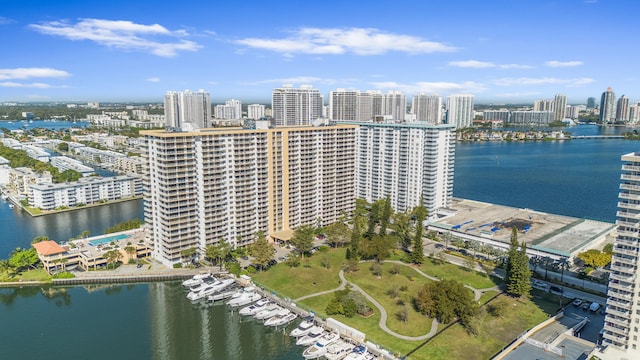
pixel 120 51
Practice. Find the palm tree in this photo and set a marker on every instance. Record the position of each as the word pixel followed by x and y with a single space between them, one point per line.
pixel 535 261
pixel 130 250
pixel 564 264
pixel 546 261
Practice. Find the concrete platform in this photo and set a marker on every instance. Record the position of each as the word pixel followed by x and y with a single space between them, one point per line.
pixel 545 234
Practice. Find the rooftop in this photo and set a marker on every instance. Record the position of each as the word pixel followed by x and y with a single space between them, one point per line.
pixel 48 247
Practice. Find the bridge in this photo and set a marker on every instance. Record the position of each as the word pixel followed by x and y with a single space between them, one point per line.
pixel 598 137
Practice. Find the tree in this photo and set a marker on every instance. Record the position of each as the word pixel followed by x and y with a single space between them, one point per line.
pixel 417 251
pixel 112 256
pixel 261 250
pixel 595 258
pixel 131 251
pixel 376 269
pixel 188 253
pixel 469 264
pixel 303 239
pixel 564 264
pixel 445 300
pixel 337 233
pixel 385 217
pixel 403 314
pixel 546 261
pixel 23 259
pixel 402 229
pixel 219 252
pixel 518 274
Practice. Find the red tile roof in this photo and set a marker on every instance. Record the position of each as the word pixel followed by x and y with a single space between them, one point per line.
pixel 48 247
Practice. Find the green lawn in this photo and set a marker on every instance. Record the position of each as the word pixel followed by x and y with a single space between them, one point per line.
pixel 494 333
pixel 306 278
pixel 450 271
pixel 29 275
pixel 406 283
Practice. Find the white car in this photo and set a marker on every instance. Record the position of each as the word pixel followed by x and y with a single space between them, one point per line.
pixel 577 302
pixel 539 284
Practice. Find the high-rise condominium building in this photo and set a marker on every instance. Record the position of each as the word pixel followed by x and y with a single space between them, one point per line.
pixel 296 106
pixel 460 110
pixel 559 107
pixel 634 113
pixel 405 162
pixel 591 103
pixel 354 105
pixel 622 109
pixel 607 106
pixel 427 108
pixel 255 111
pixel 186 107
pixel 543 105
pixel 201 187
pixel 395 105
pixel 497 115
pixel 622 321
pixel 343 105
pixel 231 110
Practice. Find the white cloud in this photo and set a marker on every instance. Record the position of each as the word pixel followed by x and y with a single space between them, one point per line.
pixel 334 41
pixel 432 87
pixel 27 73
pixel 153 79
pixel 523 81
pixel 12 84
pixel 4 20
pixel 120 34
pixel 472 64
pixel 555 63
pixel 476 64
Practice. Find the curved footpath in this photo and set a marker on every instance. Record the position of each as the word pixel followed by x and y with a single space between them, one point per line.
pixel 383 313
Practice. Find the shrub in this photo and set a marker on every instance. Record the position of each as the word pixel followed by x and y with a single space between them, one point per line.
pixel 64 275
pixel 177 265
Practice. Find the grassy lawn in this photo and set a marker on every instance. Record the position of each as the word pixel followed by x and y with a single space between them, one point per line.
pixel 487 296
pixel 450 271
pixel 29 275
pixel 308 278
pixel 494 333
pixel 406 284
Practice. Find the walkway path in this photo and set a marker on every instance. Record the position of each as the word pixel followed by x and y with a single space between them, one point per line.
pixel 383 313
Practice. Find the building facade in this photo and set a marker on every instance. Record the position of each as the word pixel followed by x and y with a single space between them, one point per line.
pixel 182 108
pixel 608 106
pixel 559 107
pixel 427 108
pixel 460 110
pixel 296 106
pixel 622 109
pixel 227 184
pixel 255 111
pixel 406 162
pixel 622 321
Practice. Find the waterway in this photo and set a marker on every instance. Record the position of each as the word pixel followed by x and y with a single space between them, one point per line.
pixel 155 321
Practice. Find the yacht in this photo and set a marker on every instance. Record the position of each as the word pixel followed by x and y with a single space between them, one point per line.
pixel 314 334
pixel 338 350
pixel 303 328
pixel 244 299
pixel 279 320
pixel 320 347
pixel 11 206
pixel 221 295
pixel 209 289
pixel 196 280
pixel 269 310
pixel 254 308
pixel 4 197
pixel 359 353
pixel 201 283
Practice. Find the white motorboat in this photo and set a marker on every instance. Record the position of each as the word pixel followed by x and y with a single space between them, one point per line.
pixel 255 307
pixel 320 347
pixel 314 334
pixel 221 295
pixel 11 206
pixel 268 311
pixel 304 327
pixel 202 283
pixel 244 299
pixel 280 320
pixel 195 280
pixel 338 350
pixel 358 353
pixel 209 289
pixel 280 311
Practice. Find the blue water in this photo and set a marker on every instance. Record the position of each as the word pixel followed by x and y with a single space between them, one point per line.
pixel 44 124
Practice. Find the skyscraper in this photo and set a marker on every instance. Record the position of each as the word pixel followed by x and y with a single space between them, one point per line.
pixel 427 108
pixel 543 105
pixel 229 183
pixel 460 110
pixel 591 103
pixel 620 337
pixel 395 105
pixel 296 106
pixel 343 105
pixel 406 162
pixel 187 109
pixel 607 106
pixel 255 111
pixel 622 109
pixel 559 107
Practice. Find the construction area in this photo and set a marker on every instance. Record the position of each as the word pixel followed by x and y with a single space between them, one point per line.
pixel 545 234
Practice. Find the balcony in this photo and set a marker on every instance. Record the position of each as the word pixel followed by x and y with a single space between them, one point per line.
pixel 619 286
pixel 615 330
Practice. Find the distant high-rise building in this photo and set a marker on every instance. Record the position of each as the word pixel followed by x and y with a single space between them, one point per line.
pixel 296 106
pixel 395 105
pixel 622 318
pixel 231 110
pixel 531 117
pixel 622 109
pixel 343 105
pixel 559 107
pixel 427 108
pixel 255 111
pixel 497 115
pixel 634 113
pixel 543 105
pixel 460 110
pixel 607 106
pixel 591 103
pixel 377 103
pixel 186 107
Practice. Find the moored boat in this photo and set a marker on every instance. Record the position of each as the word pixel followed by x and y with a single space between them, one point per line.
pixel 255 307
pixel 338 350
pixel 304 327
pixel 320 347
pixel 270 310
pixel 279 320
pixel 314 334
pixel 359 353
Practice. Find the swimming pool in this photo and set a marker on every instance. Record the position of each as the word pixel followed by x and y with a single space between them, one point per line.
pixel 108 239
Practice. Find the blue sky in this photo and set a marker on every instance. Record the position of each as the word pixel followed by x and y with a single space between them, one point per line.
pixel 501 51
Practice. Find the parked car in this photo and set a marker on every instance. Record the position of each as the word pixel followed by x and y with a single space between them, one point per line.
pixel 577 302
pixel 539 284
pixel 555 289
